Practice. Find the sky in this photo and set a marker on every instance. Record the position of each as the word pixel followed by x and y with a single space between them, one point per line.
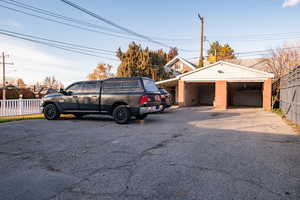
pixel 248 25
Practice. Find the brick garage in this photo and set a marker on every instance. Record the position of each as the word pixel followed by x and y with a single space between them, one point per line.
pixel 222 85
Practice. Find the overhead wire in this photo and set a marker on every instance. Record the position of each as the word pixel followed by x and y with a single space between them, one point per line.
pixel 114 24
pixel 57 15
pixel 92 27
pixel 63 47
pixel 67 24
pixel 82 47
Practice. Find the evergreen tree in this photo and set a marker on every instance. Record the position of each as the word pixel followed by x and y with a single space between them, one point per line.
pixel 222 52
pixel 137 61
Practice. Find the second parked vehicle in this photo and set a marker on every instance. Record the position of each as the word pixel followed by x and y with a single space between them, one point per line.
pixel 119 97
pixel 165 98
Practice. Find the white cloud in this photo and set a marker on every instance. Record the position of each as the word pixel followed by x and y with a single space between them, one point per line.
pixel 32 63
pixel 288 3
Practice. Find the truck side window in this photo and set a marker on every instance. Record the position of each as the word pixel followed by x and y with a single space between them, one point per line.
pixel 75 88
pixel 131 84
pixel 89 87
pixel 121 85
pixel 109 86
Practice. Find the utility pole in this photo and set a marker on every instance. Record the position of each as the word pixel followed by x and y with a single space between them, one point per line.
pixel 3 75
pixel 154 72
pixel 201 61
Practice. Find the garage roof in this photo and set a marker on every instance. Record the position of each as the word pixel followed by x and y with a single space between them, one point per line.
pixel 223 71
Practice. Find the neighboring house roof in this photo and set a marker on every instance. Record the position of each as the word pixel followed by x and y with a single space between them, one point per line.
pixel 167 66
pixel 222 71
pixel 255 63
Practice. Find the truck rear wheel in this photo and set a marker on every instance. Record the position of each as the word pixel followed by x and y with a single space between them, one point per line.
pixel 121 114
pixel 51 112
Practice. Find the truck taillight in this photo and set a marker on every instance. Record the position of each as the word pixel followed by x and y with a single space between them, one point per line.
pixel 144 99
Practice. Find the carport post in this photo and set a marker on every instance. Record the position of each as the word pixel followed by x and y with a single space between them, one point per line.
pixel 181 93
pixel 221 95
pixel 267 95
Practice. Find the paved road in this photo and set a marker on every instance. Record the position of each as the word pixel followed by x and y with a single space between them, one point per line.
pixel 190 153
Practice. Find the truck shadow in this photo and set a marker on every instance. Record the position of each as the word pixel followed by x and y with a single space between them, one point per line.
pixel 198 114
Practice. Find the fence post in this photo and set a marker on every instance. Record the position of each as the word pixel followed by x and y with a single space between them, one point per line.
pixel 20 104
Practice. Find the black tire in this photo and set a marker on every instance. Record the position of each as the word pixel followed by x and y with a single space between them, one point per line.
pixel 163 109
pixel 51 112
pixel 78 115
pixel 141 117
pixel 121 114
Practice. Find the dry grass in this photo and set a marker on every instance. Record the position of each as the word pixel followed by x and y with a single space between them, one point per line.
pixel 22 117
pixel 28 117
pixel 295 126
pixel 292 124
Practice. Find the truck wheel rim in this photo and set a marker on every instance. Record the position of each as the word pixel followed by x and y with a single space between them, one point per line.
pixel 50 111
pixel 121 114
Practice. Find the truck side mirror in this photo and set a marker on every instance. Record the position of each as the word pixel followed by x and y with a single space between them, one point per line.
pixel 63 92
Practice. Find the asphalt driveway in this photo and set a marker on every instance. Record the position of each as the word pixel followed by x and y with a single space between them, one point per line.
pixel 190 153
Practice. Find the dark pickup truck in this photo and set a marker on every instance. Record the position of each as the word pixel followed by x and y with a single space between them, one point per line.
pixel 119 97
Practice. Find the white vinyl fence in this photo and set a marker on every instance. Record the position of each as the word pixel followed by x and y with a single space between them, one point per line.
pixel 15 107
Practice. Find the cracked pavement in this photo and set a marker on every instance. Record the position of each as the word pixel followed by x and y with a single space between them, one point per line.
pixel 188 153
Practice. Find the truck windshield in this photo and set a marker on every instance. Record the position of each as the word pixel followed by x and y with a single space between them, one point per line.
pixel 150 85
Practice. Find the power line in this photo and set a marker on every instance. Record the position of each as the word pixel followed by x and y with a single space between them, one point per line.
pixel 267 35
pixel 114 24
pixel 264 39
pixel 62 17
pixel 67 24
pixel 265 51
pixel 107 52
pixel 48 13
pixel 253 53
pixel 53 14
pixel 56 15
pixel 59 16
pixel 255 35
pixel 66 48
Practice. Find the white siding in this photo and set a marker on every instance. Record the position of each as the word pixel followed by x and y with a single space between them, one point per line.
pixel 225 71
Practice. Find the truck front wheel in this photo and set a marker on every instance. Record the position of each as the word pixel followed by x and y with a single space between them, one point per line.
pixel 51 112
pixel 78 115
pixel 141 117
pixel 121 114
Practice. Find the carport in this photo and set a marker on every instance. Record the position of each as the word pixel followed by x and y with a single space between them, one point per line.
pixel 222 85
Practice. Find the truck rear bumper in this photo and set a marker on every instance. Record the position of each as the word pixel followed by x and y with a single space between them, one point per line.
pixel 150 109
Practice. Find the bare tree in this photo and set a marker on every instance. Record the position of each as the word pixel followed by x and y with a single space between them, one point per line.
pixel 101 72
pixel 283 60
pixel 52 82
